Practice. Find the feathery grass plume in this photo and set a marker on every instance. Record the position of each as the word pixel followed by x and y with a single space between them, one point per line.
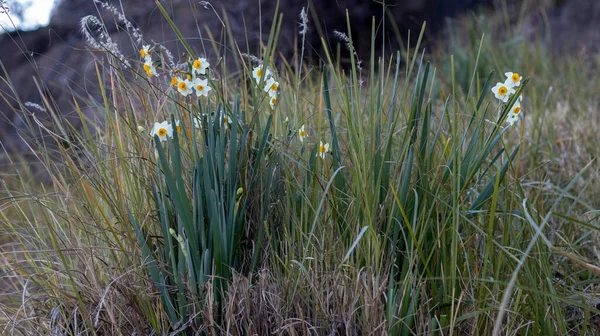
pixel 303 22
pixel 169 56
pixel 252 58
pixel 346 40
pixel 35 106
pixel 135 32
pixel 97 37
pixel 343 38
pixel 302 33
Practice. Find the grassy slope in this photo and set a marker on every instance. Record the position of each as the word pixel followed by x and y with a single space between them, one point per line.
pixel 386 235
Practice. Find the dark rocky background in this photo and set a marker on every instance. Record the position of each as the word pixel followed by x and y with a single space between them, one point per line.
pixel 58 55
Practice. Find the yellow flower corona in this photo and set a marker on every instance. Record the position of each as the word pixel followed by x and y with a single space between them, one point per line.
pixel 226 121
pixel 184 87
pixel 514 116
pixel 174 81
pixel 145 53
pixel 513 79
pixel 502 91
pixel 302 133
pixel 162 130
pixel 257 73
pixel 199 66
pixel 271 87
pixel 149 68
pixel 323 148
pixel 201 87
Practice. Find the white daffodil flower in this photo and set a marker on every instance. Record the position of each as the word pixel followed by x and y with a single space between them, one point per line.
pixel 258 72
pixel 502 91
pixel 271 87
pixel 273 101
pixel 200 65
pixel 513 78
pixel 302 133
pixel 145 53
pixel 323 148
pixel 513 115
pixel 184 87
pixel 150 69
pixel 163 130
pixel 201 87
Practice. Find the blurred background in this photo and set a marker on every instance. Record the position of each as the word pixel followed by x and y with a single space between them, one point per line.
pixel 25 14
